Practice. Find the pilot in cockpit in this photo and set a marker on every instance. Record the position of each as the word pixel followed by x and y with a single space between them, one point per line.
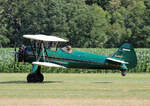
pixel 67 49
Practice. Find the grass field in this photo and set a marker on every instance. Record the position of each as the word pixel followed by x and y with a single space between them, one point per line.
pixel 75 90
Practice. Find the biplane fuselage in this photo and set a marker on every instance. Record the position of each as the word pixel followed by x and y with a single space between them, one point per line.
pixel 76 59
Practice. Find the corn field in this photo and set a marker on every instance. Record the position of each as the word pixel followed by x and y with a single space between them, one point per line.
pixel 7 63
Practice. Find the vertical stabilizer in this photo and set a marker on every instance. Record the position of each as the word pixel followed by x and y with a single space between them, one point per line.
pixel 126 52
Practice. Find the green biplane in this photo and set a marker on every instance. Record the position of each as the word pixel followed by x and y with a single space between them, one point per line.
pixel 42 53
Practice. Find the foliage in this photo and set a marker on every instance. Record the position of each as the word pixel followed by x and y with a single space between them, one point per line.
pixel 91 23
pixel 6 56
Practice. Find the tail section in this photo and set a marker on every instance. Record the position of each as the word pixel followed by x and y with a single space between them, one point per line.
pixel 127 53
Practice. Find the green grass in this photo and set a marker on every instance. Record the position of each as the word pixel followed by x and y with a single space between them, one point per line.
pixel 76 86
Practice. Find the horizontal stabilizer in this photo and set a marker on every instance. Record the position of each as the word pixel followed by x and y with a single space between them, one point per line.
pixel 116 60
pixel 48 64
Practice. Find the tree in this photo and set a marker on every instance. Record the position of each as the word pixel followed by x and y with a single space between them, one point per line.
pixel 11 19
pixel 117 31
pixel 146 29
pixel 136 22
pixel 103 3
pixel 86 25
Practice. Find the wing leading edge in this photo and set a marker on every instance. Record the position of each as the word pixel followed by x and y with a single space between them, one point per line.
pixel 48 64
pixel 45 38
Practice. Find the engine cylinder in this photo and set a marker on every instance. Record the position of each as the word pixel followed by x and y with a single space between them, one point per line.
pixel 21 54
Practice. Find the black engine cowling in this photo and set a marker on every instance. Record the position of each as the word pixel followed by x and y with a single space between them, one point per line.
pixel 21 54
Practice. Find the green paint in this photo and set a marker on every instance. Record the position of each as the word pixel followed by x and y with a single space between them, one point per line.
pixel 79 59
pixel 127 54
pixel 34 68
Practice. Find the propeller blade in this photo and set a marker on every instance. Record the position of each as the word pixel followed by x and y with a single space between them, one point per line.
pixel 15 53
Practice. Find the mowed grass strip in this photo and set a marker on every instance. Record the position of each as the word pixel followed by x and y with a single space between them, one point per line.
pixel 76 86
pixel 73 102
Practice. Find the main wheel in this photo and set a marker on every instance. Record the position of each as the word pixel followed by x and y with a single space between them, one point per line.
pixel 123 72
pixel 35 77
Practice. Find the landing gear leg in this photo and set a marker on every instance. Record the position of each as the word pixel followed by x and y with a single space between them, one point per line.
pixel 35 76
pixel 123 72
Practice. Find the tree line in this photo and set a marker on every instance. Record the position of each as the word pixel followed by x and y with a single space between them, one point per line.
pixel 85 23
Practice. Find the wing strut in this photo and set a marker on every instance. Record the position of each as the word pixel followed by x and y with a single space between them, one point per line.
pixel 43 51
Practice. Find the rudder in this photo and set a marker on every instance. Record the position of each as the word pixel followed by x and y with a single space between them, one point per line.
pixel 126 52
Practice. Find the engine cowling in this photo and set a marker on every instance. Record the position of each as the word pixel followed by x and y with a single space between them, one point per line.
pixel 21 54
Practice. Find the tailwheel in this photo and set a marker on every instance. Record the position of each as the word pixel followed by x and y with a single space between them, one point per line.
pixel 35 77
pixel 123 72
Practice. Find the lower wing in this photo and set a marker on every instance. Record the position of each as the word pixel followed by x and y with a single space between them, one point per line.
pixel 47 64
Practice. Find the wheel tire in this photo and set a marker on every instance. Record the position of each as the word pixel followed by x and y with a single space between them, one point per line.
pixel 35 77
pixel 123 73
pixel 40 77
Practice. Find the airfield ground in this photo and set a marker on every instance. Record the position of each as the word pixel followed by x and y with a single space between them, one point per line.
pixel 76 90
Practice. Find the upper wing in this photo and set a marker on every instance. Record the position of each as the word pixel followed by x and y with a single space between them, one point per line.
pixel 44 38
pixel 116 60
pixel 48 64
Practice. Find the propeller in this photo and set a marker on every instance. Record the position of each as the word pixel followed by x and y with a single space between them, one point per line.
pixel 15 56
pixel 15 53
